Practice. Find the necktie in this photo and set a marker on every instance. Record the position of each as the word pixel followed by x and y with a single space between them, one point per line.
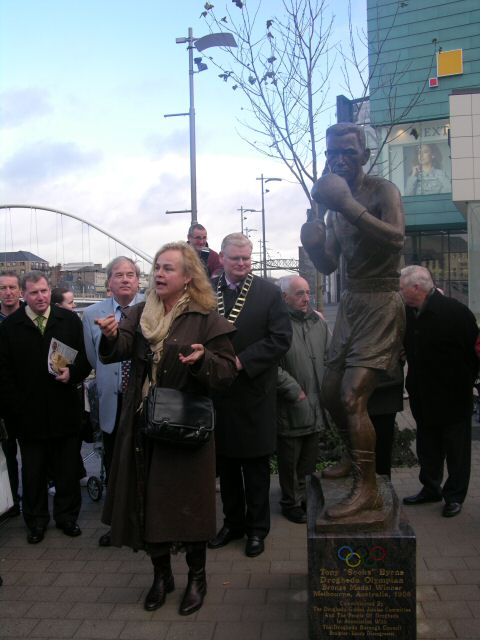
pixel 40 320
pixel 126 365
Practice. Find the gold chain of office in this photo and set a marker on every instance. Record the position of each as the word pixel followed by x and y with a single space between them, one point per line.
pixel 239 302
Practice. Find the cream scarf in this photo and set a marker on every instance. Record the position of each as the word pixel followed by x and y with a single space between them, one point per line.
pixel 155 324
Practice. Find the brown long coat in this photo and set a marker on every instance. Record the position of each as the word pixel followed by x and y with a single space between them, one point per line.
pixel 158 493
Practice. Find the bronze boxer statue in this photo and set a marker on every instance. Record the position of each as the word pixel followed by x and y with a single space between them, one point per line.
pixel 364 221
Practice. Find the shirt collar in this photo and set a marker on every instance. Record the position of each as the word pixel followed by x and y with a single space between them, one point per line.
pixel 33 316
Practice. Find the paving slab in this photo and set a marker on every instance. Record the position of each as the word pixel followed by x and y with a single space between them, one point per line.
pixel 72 588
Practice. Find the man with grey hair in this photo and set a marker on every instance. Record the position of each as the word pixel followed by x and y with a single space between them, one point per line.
pixel 122 280
pixel 442 367
pixel 299 414
pixel 246 427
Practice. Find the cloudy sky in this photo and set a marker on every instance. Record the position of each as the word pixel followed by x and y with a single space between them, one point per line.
pixel 84 86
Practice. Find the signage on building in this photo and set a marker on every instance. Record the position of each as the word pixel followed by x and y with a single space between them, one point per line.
pixel 419 158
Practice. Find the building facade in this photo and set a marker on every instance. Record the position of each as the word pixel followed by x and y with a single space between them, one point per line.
pixel 22 262
pixel 424 59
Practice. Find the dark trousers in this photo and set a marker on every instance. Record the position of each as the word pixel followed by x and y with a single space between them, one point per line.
pixel 451 443
pixel 38 457
pixel 10 450
pixel 384 426
pixel 296 457
pixel 245 491
pixel 109 441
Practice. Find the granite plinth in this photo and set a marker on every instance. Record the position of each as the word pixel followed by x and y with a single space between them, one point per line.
pixel 361 573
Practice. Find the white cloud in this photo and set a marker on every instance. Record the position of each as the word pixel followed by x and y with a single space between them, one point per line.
pixel 18 106
pixel 44 161
pixel 128 196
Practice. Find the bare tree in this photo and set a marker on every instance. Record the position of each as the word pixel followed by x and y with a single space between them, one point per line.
pixel 282 66
pixel 362 68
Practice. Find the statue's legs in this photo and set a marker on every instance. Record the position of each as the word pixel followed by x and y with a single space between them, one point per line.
pixel 347 402
pixel 331 399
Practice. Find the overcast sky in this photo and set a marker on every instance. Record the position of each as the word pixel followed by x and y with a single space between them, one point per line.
pixel 84 86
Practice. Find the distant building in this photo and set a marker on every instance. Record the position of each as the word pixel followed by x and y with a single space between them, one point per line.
pixel 23 261
pixel 84 279
pixel 423 120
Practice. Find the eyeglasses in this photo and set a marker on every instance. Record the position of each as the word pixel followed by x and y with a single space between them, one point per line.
pixel 130 275
pixel 238 258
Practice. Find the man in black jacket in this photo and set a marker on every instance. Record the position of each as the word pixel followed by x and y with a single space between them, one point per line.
pixel 44 406
pixel 9 302
pixel 442 367
pixel 246 413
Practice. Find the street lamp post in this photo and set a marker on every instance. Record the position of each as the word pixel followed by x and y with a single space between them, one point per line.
pixel 264 244
pixel 242 211
pixel 205 42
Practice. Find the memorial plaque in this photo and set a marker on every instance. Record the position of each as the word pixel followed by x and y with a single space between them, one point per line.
pixel 361 576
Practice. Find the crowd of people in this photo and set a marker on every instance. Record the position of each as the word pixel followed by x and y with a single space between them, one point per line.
pixel 208 327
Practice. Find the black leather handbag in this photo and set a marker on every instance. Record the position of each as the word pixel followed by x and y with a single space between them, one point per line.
pixel 178 418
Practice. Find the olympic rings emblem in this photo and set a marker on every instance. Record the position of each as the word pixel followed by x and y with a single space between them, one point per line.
pixel 362 555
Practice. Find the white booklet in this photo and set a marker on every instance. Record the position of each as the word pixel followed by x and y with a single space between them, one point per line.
pixel 60 355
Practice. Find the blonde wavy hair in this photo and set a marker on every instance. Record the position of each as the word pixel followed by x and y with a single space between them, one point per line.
pixel 199 287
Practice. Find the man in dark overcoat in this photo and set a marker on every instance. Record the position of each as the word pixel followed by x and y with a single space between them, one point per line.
pixel 246 412
pixel 442 367
pixel 45 407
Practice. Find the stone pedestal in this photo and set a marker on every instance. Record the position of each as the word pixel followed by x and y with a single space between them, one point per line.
pixel 361 573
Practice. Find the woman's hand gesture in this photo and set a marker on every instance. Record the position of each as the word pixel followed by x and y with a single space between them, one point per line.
pixel 192 354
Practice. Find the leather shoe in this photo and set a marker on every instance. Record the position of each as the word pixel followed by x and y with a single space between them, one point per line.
pixel 421 498
pixel 70 528
pixel 35 535
pixel 105 540
pixel 254 546
pixel 295 514
pixel 223 537
pixel 451 509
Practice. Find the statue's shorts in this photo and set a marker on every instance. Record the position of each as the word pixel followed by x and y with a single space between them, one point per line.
pixel 368 330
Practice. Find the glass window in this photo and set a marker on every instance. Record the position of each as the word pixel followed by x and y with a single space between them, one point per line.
pixel 445 254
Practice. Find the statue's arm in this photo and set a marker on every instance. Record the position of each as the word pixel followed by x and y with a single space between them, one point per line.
pixel 320 243
pixel 389 227
pixel 382 216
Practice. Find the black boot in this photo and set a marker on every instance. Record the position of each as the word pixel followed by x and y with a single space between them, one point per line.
pixel 163 582
pixel 197 581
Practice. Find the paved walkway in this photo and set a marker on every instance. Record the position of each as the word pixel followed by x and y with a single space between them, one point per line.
pixel 70 588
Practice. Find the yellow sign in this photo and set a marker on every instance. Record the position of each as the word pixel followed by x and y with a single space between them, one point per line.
pixel 449 63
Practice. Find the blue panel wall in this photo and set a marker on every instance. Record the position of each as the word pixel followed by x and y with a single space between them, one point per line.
pixel 402 55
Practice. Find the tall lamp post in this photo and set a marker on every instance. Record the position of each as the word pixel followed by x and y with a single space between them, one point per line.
pixel 242 211
pixel 205 42
pixel 264 244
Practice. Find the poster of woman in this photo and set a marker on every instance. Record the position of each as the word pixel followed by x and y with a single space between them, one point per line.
pixel 426 169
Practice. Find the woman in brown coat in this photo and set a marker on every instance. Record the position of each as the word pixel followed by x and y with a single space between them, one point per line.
pixel 159 495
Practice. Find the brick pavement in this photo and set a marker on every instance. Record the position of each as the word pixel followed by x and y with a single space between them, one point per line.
pixel 70 588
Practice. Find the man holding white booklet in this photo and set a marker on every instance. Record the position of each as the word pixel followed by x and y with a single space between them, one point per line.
pixel 40 396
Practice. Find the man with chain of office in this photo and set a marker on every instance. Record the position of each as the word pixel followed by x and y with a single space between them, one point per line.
pixel 364 222
pixel 246 428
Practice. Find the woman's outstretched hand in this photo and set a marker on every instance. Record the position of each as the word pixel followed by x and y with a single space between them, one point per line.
pixel 196 353
pixel 108 326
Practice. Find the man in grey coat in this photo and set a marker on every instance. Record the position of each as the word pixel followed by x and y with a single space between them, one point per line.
pixel 111 379
pixel 299 414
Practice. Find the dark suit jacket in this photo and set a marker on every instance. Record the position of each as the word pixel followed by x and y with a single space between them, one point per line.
pixel 40 406
pixel 442 364
pixel 246 411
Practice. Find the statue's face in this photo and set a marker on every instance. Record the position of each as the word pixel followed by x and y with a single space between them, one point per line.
pixel 346 156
